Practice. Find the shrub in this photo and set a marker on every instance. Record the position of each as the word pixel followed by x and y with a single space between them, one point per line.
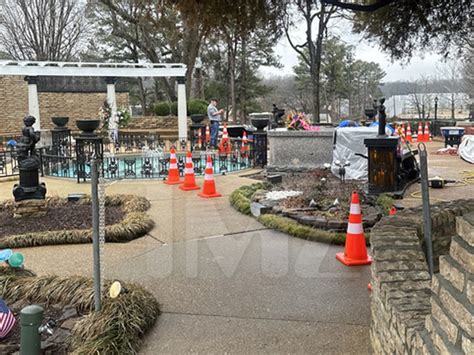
pixel 174 108
pixel 197 107
pixel 162 108
pixel 385 202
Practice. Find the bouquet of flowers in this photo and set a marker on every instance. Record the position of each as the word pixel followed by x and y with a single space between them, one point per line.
pixel 123 116
pixel 104 115
pixel 297 121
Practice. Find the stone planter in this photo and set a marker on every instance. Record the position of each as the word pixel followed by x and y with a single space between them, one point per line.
pixel 299 150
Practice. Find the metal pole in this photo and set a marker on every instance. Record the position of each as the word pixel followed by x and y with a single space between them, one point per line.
pixel 31 318
pixel 435 128
pixel 95 231
pixel 426 205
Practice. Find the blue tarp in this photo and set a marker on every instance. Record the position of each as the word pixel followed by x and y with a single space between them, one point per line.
pixel 376 124
pixel 348 123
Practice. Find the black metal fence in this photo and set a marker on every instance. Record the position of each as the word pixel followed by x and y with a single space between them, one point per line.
pixel 8 163
pixel 148 163
pixel 144 166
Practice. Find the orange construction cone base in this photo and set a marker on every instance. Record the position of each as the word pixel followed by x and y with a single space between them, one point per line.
pixel 189 188
pixel 209 195
pixel 350 262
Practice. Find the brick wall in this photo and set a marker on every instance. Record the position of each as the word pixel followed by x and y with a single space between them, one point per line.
pixel 14 105
pixel 410 312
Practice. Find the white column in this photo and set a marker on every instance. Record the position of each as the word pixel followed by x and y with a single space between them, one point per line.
pixel 182 111
pixel 33 102
pixel 112 100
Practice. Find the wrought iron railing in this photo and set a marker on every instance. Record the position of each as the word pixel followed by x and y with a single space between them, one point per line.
pixel 8 163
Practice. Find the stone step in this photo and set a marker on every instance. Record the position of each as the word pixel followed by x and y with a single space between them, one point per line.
pixel 465 228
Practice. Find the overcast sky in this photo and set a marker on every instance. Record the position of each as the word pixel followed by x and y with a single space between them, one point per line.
pixel 364 50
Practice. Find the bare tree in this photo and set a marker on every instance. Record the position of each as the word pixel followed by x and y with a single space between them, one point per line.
pixel 42 29
pixel 311 10
pixel 421 97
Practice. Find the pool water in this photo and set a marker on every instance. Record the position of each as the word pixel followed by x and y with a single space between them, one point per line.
pixel 142 167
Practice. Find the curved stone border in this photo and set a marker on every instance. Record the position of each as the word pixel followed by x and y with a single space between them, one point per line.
pixel 135 224
pixel 409 310
pixel 240 200
pixel 117 329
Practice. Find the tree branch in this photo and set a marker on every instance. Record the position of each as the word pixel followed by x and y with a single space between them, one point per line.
pixel 358 7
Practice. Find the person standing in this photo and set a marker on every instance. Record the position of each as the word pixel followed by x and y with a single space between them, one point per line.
pixel 215 117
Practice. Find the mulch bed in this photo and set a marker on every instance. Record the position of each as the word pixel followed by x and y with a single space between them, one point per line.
pixel 65 217
pixel 53 344
pixel 323 188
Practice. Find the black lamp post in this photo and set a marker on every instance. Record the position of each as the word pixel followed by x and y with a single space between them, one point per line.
pixel 435 128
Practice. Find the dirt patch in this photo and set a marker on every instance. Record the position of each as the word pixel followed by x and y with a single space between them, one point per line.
pixel 63 217
pixel 324 192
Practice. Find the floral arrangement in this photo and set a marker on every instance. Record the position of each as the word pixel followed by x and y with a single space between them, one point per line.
pixel 297 121
pixel 104 115
pixel 105 112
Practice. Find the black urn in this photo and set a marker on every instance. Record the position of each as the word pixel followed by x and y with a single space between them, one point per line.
pixel 197 118
pixel 87 126
pixel 60 122
pixel 259 123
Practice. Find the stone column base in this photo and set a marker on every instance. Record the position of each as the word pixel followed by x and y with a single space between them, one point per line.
pixel 30 208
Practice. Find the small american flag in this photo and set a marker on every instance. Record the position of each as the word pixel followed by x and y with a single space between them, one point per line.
pixel 7 319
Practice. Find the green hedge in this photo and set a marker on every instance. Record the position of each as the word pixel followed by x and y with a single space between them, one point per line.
pixel 165 108
pixel 197 107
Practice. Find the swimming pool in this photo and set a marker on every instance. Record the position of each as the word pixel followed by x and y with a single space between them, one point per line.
pixel 142 166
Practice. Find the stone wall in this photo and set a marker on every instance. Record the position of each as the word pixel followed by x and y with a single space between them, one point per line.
pixel 410 312
pixel 153 122
pixel 14 105
pixel 299 150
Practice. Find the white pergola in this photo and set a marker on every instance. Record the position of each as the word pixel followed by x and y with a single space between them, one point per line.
pixel 109 71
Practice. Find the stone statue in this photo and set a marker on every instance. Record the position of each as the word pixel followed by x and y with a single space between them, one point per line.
pixel 380 108
pixel 26 152
pixel 29 187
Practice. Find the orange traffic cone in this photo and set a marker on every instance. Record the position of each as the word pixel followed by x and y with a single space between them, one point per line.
pixel 189 178
pixel 224 147
pixel 426 133
pixel 244 148
pixel 409 136
pixel 392 211
pixel 209 188
pixel 173 173
pixel 419 137
pixel 199 144
pixel 208 135
pixel 355 251
pixel 403 133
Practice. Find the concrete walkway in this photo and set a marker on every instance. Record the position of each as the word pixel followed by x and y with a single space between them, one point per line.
pixel 225 283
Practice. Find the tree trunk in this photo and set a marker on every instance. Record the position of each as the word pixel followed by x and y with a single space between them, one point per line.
pixel 142 94
pixel 243 81
pixel 453 114
pixel 231 54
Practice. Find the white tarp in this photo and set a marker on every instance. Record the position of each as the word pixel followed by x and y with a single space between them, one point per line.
pixel 348 142
pixel 466 149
